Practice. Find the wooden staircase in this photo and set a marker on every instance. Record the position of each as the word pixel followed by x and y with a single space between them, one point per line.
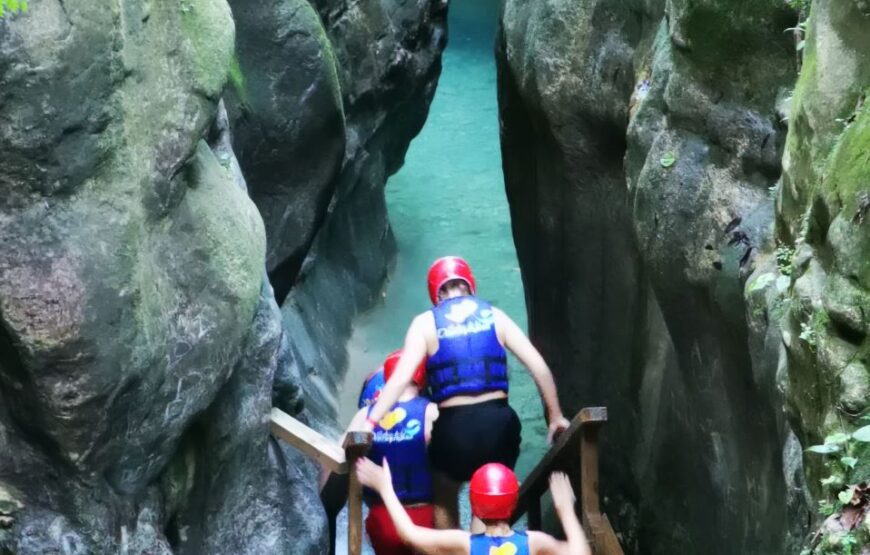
pixel 575 452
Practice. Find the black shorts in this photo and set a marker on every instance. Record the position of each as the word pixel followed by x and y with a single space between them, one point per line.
pixel 466 437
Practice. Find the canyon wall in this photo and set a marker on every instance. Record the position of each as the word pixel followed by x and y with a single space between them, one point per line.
pixel 642 144
pixel 141 339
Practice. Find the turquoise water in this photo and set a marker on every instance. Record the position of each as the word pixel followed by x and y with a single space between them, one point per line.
pixel 449 198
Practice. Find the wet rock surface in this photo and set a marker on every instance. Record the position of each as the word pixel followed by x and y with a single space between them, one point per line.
pixel 822 234
pixel 141 344
pixel 641 142
pixel 389 59
pixel 288 125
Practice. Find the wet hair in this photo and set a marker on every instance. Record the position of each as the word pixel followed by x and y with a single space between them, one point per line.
pixel 455 283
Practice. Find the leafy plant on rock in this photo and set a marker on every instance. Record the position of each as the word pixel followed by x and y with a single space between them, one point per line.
pixel 847 503
pixel 784 256
pixel 811 330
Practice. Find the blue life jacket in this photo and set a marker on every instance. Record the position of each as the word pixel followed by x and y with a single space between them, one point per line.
pixel 470 360
pixel 401 437
pixel 481 544
pixel 371 388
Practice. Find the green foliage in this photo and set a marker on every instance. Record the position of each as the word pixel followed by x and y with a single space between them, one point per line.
pixel 237 80
pixel 849 462
pixel 784 256
pixel 760 282
pixel 12 6
pixel 825 449
pixel 847 458
pixel 668 159
pixel 862 434
pixel 802 6
pixel 810 332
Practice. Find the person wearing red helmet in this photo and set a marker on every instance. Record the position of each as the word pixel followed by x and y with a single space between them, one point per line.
pixel 493 493
pixel 465 339
pixel 402 435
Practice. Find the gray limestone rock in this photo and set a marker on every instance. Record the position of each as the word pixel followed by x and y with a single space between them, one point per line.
pixel 140 344
pixel 131 272
pixel 288 123
pixel 639 142
pixel 389 59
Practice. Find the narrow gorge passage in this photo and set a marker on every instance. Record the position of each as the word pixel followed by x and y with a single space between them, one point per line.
pixel 449 198
pixel 672 196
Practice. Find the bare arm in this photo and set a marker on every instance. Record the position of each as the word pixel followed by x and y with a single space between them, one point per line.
pixel 413 354
pixel 563 501
pixel 427 540
pixel 517 343
pixel 356 423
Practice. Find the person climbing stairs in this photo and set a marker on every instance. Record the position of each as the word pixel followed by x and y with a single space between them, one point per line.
pixel 493 492
pixel 575 452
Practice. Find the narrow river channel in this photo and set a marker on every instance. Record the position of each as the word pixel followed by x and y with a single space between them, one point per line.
pixel 449 198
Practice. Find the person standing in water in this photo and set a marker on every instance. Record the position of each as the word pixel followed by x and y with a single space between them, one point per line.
pixel 493 493
pixel 401 435
pixel 465 339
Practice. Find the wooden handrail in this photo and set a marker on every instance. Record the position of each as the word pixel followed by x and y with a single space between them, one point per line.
pixel 342 485
pixel 563 456
pixel 314 444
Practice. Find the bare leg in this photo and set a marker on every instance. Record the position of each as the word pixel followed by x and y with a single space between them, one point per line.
pixel 446 501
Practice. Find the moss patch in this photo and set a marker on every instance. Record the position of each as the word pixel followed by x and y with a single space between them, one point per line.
pixel 208 26
pixel 850 163
pixel 237 80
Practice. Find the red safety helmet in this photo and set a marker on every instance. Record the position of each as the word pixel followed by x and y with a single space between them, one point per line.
pixel 445 269
pixel 493 491
pixel 392 360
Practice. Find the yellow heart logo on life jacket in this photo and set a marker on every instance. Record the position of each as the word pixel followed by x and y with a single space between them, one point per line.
pixel 392 418
pixel 505 549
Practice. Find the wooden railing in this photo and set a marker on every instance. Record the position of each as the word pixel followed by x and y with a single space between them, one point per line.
pixel 574 452
pixel 342 485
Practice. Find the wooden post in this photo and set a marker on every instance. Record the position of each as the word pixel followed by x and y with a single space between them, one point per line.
pixel 356 445
pixel 589 471
pixel 534 512
pixel 601 535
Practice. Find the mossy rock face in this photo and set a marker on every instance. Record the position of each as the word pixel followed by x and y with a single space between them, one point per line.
pixel 821 210
pixel 640 142
pixel 139 338
pixel 131 266
pixel 137 290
